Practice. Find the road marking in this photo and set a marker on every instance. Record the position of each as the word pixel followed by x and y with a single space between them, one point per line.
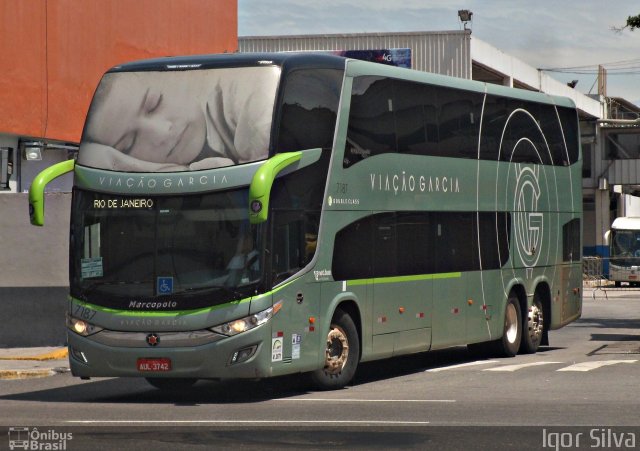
pixel 461 365
pixel 588 366
pixel 363 400
pixel 226 422
pixel 518 367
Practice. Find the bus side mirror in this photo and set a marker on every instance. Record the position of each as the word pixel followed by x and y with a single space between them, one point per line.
pixel 260 188
pixel 607 234
pixel 36 191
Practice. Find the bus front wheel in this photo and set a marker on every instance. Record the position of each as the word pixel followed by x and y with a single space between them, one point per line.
pixel 342 353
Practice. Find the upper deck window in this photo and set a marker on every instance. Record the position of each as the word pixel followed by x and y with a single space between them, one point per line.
pixel 309 109
pixel 180 120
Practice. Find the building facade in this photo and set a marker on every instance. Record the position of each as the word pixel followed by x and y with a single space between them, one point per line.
pixel 53 53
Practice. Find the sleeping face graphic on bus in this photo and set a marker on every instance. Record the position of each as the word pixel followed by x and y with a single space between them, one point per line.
pixel 170 121
pixel 160 124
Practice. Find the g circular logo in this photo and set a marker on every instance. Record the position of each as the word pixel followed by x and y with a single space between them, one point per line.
pixel 528 221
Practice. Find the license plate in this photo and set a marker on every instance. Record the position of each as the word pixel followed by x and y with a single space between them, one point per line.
pixel 161 364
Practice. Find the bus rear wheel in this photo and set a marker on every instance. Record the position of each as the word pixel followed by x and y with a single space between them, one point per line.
pixel 509 344
pixel 342 353
pixel 533 327
pixel 171 384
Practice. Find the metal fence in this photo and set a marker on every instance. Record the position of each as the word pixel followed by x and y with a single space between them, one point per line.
pixel 597 273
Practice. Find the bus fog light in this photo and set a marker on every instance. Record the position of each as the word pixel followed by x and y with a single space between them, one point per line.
pixel 243 354
pixel 79 355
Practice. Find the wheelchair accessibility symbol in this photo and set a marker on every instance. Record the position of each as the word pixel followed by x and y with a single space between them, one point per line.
pixel 164 285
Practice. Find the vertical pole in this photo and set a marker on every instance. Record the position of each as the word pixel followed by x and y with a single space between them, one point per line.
pixel 602 81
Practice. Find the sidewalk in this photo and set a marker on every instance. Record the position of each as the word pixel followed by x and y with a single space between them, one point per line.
pixel 24 363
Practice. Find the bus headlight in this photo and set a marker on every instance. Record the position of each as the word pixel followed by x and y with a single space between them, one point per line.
pixel 238 326
pixel 82 327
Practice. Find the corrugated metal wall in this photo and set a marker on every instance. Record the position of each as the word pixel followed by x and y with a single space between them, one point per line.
pixel 446 53
pixel 53 52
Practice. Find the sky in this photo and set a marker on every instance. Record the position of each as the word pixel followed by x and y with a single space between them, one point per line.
pixel 547 34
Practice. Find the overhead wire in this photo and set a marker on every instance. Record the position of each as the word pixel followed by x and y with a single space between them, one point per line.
pixel 624 67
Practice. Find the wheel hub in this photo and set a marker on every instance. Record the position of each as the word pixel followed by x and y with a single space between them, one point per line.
pixel 511 320
pixel 337 351
pixel 535 322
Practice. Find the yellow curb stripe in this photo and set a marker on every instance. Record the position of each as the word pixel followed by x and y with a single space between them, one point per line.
pixel 25 374
pixel 61 353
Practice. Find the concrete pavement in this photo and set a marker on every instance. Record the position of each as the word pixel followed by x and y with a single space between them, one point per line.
pixel 23 363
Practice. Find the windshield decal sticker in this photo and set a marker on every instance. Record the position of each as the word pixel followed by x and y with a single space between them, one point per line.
pixel 91 267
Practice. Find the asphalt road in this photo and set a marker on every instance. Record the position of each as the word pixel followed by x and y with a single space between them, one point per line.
pixel 582 390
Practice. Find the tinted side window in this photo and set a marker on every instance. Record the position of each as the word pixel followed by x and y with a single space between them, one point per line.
pixel 309 109
pixel 353 251
pixel 511 132
pixel 455 242
pixel 527 132
pixel 548 119
pixel 413 243
pixel 296 202
pixel 372 129
pixel 494 230
pixel 571 250
pixel 416 118
pixel 569 122
pixel 458 123
pixel 389 115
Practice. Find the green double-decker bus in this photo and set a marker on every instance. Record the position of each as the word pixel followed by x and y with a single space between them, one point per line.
pixel 255 215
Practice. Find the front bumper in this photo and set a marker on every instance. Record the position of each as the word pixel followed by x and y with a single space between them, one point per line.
pixel 90 358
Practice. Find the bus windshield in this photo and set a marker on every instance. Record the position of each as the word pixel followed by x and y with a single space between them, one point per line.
pixel 180 120
pixel 196 250
pixel 625 247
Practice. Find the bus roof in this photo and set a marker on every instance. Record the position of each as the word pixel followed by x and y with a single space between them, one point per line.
pixel 320 59
pixel 626 223
pixel 357 67
pixel 195 62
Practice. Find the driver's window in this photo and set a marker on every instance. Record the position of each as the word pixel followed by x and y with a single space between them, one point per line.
pixel 289 246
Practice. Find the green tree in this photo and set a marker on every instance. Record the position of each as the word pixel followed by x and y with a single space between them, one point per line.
pixel 633 22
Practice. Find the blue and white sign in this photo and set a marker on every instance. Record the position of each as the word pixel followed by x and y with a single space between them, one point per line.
pixel 164 285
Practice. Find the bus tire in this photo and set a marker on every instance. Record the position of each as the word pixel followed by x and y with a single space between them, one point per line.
pixel 533 329
pixel 171 384
pixel 342 354
pixel 509 344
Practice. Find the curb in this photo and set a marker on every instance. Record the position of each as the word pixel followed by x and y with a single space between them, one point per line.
pixel 26 373
pixel 61 353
